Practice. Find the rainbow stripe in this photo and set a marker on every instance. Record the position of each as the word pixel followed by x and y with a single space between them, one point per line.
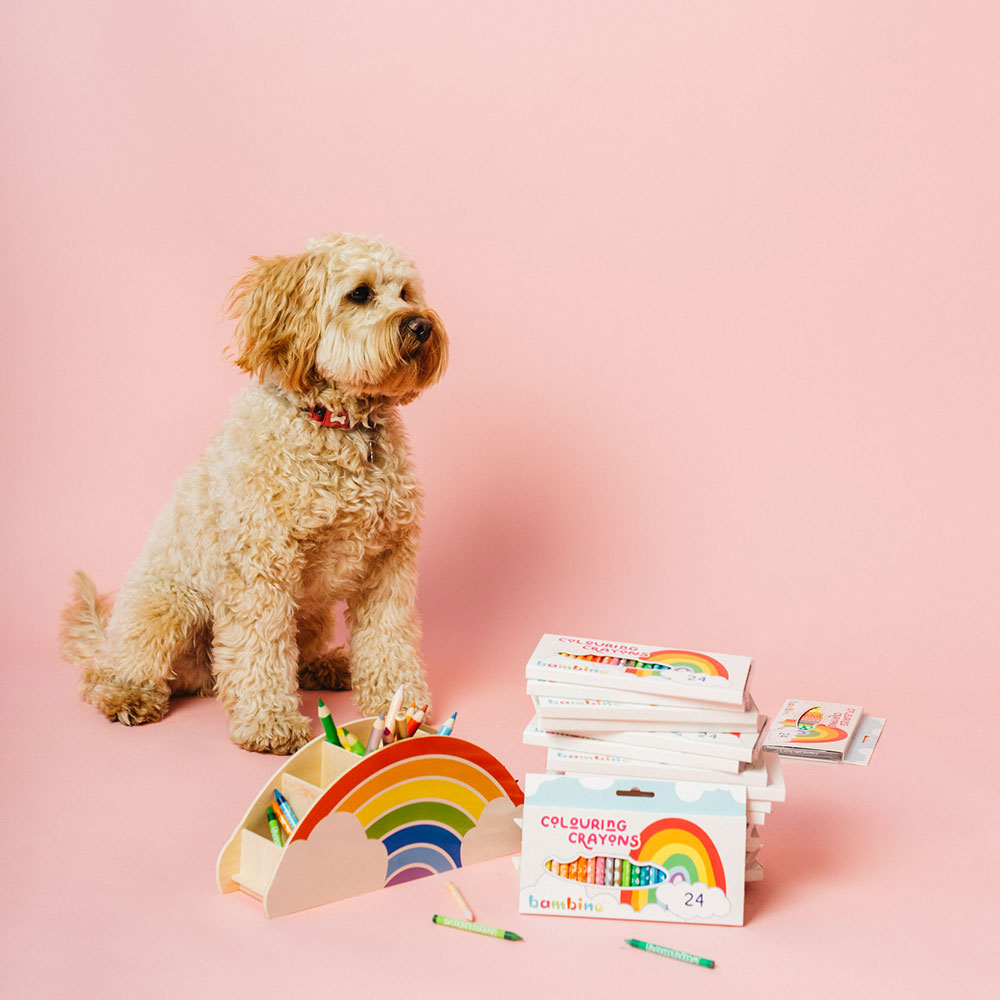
pixel 684 659
pixel 683 850
pixel 811 728
pixel 818 734
pixel 658 662
pixel 418 797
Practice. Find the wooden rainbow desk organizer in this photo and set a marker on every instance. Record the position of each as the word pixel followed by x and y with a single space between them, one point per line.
pixel 417 807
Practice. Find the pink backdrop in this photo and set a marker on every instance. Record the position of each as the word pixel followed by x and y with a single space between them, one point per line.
pixel 721 281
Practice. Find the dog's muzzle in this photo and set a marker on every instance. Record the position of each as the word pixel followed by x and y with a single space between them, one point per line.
pixel 418 327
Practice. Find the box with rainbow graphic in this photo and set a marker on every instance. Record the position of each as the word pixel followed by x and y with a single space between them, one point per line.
pixel 669 851
pixel 417 807
pixel 687 675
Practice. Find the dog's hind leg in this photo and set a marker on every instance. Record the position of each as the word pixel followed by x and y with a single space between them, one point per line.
pixel 129 680
pixel 320 667
pixel 192 670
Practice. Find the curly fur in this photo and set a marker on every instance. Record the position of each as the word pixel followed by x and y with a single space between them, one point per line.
pixel 281 517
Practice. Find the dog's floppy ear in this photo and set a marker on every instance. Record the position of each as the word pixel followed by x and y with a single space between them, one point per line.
pixel 277 305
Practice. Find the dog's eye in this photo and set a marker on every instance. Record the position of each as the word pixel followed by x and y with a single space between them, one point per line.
pixel 361 294
pixel 404 294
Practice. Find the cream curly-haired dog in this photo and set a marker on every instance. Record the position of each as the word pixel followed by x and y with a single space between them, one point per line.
pixel 305 497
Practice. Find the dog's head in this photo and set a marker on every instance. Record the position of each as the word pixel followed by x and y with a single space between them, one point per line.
pixel 347 311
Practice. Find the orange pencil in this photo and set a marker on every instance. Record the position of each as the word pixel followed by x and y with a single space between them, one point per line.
pixel 413 721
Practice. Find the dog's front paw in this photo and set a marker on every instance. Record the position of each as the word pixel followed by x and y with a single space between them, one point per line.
pixel 123 702
pixel 271 731
pixel 329 672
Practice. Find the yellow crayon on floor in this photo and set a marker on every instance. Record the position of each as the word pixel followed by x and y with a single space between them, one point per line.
pixel 463 906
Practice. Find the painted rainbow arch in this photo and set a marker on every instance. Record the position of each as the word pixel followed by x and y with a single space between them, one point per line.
pixel 685 659
pixel 820 733
pixel 683 850
pixel 418 798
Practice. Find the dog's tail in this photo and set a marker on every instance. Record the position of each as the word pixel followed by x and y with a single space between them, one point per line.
pixel 84 622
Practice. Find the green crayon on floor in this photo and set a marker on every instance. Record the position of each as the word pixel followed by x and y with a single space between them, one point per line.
pixel 467 925
pixel 681 956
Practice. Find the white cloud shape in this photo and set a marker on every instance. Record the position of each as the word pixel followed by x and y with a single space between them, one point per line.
pixel 689 791
pixel 532 782
pixel 337 860
pixel 598 782
pixel 497 833
pixel 693 902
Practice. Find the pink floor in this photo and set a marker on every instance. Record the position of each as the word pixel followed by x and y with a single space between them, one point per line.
pixel 113 835
pixel 721 286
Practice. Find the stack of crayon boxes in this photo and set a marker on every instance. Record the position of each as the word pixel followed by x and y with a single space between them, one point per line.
pixel 632 711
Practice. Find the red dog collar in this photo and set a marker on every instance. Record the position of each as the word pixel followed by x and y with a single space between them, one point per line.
pixel 326 418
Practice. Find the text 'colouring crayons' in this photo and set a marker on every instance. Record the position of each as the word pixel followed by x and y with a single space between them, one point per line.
pixel 621 873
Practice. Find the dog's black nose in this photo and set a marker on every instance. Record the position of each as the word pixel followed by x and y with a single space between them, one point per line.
pixel 418 328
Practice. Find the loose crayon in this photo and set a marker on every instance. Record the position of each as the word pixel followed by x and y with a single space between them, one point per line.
pixel 465 925
pixel 448 726
pixel 659 949
pixel 459 900
pixel 272 822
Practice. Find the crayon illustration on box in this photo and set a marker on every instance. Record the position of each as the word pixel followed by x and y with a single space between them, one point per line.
pixel 681 673
pixel 419 806
pixel 669 851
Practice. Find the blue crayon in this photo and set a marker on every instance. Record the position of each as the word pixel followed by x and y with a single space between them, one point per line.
pixel 449 725
pixel 286 808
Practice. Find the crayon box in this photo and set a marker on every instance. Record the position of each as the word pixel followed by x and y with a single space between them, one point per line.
pixel 633 849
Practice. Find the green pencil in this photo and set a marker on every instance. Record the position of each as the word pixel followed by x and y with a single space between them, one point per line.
pixel 682 956
pixel 465 925
pixel 328 727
